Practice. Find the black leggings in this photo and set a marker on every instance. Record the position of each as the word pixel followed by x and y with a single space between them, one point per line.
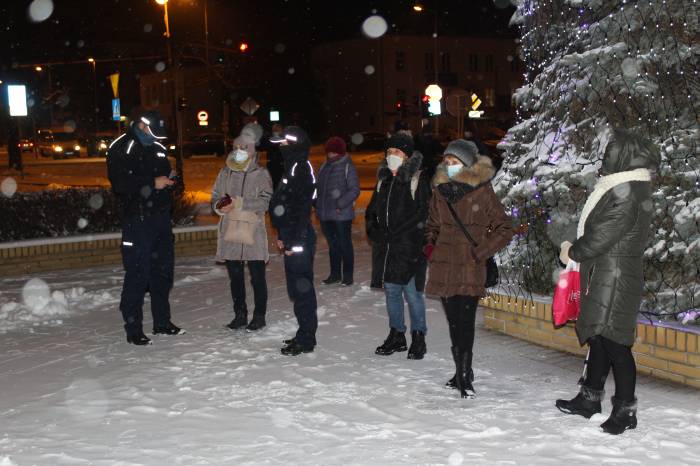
pixel 461 317
pixel 605 354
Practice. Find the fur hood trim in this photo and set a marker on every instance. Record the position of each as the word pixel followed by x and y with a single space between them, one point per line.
pixel 478 174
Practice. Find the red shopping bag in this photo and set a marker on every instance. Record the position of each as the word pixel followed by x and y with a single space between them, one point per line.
pixel 566 303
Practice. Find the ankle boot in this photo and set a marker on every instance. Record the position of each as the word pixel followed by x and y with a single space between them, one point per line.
pixel 240 319
pixel 395 341
pixel 256 323
pixel 586 403
pixel 418 348
pixel 623 417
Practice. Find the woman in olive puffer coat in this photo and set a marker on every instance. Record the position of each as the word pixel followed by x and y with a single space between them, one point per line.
pixel 612 235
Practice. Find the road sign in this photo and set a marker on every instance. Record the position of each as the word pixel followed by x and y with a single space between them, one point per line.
pixel 17 98
pixel 249 106
pixel 116 110
pixel 434 92
pixel 114 80
pixel 476 102
pixel 203 118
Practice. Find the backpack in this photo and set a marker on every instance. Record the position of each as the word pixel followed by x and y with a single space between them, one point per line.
pixel 414 184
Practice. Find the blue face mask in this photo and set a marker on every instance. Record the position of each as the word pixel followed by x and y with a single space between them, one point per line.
pixel 452 170
pixel 146 139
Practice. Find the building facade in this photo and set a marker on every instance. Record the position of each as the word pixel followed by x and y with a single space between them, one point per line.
pixel 369 84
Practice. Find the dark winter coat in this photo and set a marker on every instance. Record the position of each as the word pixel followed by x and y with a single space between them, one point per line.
pixel 291 204
pixel 132 169
pixel 395 222
pixel 611 248
pixel 456 267
pixel 338 187
pixel 254 185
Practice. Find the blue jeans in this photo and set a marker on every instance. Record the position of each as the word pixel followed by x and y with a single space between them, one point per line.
pixel 416 306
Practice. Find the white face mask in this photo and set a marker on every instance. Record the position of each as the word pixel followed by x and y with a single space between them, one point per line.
pixel 240 156
pixel 394 162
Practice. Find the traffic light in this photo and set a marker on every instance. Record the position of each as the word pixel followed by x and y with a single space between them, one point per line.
pixel 243 47
pixel 399 105
pixel 424 106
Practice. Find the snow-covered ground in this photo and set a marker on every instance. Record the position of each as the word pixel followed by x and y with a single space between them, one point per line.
pixel 72 391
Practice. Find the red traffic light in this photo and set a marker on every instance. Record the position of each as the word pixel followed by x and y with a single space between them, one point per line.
pixel 398 104
pixel 243 47
pixel 426 99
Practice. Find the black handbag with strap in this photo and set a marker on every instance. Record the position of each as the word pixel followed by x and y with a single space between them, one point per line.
pixel 491 267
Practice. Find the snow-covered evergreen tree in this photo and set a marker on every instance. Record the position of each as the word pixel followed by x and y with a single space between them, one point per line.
pixel 592 65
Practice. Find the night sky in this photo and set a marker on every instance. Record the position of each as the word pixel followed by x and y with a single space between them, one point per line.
pixel 129 29
pixel 78 28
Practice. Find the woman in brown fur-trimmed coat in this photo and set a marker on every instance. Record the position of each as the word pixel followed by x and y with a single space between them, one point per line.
pixel 457 267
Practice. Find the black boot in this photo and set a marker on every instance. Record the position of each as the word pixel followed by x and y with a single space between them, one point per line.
pixel 168 329
pixel 452 383
pixel 417 349
pixel 256 323
pixel 586 403
pixel 294 348
pixel 463 378
pixel 623 417
pixel 241 317
pixel 331 280
pixel 396 341
pixel 138 339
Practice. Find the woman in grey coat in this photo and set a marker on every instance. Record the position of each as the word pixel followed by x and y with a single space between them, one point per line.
pixel 249 187
pixel 612 235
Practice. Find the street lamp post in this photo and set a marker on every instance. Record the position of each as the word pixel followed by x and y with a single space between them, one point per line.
pixel 419 8
pixel 94 94
pixel 176 115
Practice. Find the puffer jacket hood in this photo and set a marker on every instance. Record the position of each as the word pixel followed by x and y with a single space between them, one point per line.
pixel 247 166
pixel 628 151
pixel 297 147
pixel 405 171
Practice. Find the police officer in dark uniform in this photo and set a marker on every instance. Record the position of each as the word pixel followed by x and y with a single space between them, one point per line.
pixel 142 178
pixel 290 212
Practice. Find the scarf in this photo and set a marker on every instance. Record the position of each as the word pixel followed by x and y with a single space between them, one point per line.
pixel 605 184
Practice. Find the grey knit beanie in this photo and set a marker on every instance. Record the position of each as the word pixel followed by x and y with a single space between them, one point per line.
pixel 465 151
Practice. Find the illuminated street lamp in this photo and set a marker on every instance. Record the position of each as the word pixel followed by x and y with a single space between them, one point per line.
pixel 38 68
pixel 418 7
pixel 94 91
pixel 176 114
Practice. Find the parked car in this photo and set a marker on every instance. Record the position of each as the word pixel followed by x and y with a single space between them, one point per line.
pixel 205 144
pixel 58 145
pixel 26 145
pixel 368 140
pixel 97 145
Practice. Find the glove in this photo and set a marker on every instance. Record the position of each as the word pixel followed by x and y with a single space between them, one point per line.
pixel 223 202
pixel 564 252
pixel 428 250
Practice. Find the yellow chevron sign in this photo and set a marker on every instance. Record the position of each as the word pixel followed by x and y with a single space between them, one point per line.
pixel 476 102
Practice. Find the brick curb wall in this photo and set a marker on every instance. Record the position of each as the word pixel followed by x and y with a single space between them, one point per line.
pixel 659 350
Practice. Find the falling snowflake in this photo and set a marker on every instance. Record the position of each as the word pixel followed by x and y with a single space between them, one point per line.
pixel 40 10
pixel 374 27
pixel 8 186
